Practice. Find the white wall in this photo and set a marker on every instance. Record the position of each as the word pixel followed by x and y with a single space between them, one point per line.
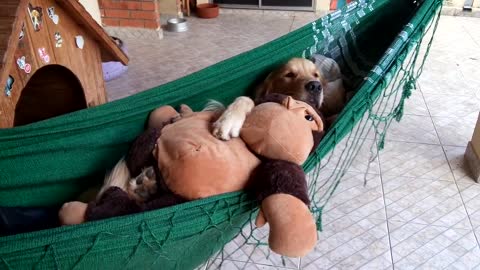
pixel 459 3
pixel 92 7
pixel 167 7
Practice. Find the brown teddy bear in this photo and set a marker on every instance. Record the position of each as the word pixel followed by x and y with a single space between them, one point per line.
pixel 190 163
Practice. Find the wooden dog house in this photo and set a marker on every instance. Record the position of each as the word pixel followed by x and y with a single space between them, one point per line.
pixel 51 54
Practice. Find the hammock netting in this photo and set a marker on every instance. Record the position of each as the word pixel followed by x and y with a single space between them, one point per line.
pixel 380 46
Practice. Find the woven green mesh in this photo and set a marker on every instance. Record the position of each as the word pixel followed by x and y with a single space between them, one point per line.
pixel 377 44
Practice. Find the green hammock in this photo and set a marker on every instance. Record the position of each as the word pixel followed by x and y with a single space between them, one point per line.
pixel 376 43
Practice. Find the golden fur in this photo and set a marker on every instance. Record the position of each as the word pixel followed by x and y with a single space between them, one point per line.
pixel 291 78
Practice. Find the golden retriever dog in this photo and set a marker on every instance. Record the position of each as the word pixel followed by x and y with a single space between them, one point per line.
pixel 300 78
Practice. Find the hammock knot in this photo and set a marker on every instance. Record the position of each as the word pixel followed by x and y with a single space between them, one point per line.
pixel 408 87
pixel 381 141
pixel 318 223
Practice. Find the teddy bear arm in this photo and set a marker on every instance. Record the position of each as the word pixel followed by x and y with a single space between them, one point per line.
pixel 279 176
pixel 164 200
pixel 281 188
pixel 114 202
pixel 140 154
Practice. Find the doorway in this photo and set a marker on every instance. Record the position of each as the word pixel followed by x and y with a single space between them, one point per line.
pixel 53 90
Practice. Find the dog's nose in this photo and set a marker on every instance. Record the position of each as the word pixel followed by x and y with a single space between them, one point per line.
pixel 313 86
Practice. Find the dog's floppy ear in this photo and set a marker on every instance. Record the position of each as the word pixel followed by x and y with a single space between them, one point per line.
pixel 264 88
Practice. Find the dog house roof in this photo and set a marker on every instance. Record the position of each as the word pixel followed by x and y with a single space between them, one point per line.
pixel 12 13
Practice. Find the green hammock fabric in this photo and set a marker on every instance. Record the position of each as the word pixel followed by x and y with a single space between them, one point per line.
pixel 377 44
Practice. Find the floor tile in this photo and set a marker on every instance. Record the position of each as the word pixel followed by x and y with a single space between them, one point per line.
pixel 233 265
pixel 450 31
pixel 354 152
pixel 244 248
pixel 418 246
pixel 205 43
pixel 471 26
pixel 415 104
pixel 455 131
pixel 455 156
pixel 414 160
pixel 300 21
pixel 413 128
pixel 444 78
pixel 451 106
pixel 424 201
pixel 354 199
pixel 346 243
pixel 470 192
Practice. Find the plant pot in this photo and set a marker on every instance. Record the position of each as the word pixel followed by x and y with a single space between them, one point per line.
pixel 207 11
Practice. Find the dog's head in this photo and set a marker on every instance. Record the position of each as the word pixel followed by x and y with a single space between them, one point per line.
pixel 298 78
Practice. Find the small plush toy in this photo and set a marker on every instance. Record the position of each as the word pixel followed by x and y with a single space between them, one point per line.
pixel 190 163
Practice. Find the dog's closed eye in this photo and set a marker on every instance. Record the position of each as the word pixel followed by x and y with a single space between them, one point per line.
pixel 290 75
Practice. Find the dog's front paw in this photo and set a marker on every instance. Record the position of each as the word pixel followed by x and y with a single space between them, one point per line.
pixel 231 121
pixel 142 187
pixel 227 126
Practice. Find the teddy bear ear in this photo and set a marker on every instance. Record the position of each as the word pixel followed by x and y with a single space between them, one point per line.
pixel 288 102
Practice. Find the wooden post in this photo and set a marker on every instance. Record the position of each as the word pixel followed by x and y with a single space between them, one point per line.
pixel 472 154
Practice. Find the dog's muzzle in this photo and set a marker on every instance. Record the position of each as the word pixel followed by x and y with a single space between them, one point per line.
pixel 313 86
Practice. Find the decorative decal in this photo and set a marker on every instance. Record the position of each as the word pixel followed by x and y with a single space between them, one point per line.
pixel 22 32
pixel 79 41
pixel 58 40
pixel 44 55
pixel 28 68
pixel 36 15
pixel 22 64
pixel 52 15
pixel 9 85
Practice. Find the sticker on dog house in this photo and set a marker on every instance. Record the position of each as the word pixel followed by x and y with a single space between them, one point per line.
pixel 36 16
pixel 44 55
pixel 79 41
pixel 58 39
pixel 22 32
pixel 23 65
pixel 9 85
pixel 52 15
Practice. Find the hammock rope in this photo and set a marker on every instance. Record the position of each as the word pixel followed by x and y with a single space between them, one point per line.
pixel 64 155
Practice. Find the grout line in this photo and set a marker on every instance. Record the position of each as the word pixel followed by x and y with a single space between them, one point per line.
pixel 454 178
pixel 468 33
pixel 433 256
pixel 424 143
pixel 346 243
pixel 291 25
pixel 386 213
pixel 259 264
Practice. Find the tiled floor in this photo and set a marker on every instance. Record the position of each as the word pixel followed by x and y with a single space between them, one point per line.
pixel 419 209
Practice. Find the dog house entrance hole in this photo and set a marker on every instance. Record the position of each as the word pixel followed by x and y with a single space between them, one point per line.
pixel 53 90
